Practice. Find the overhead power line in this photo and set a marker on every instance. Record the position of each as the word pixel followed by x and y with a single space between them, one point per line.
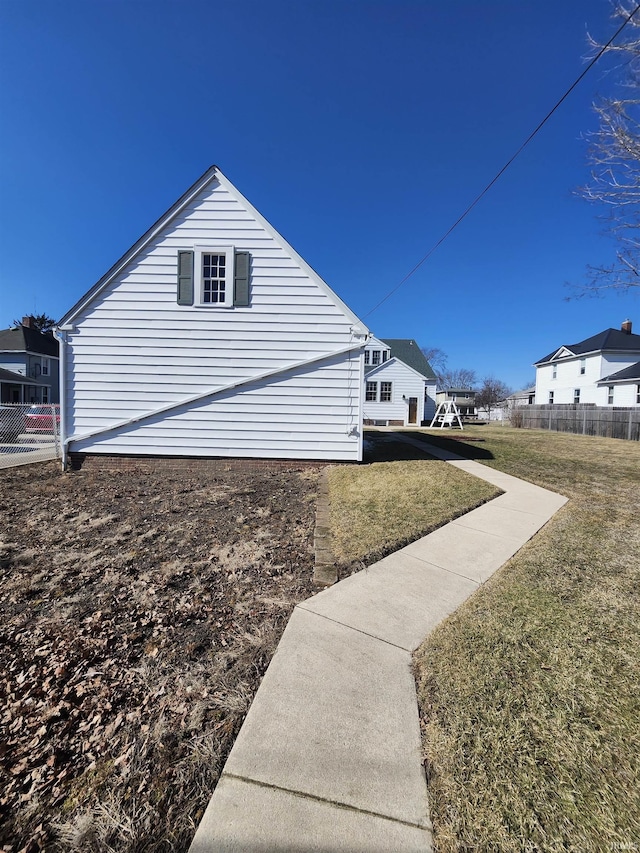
pixel 506 165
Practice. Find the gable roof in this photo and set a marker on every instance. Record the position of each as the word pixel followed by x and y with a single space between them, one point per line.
pixel 611 340
pixel 408 351
pixel 212 174
pixel 24 339
pixel 369 369
pixel 628 374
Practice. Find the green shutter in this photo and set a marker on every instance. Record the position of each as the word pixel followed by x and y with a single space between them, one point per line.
pixel 185 278
pixel 241 278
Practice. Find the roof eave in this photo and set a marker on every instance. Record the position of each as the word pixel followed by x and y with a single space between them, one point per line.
pixel 146 238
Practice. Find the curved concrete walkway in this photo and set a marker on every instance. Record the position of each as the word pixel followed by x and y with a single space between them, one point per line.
pixel 329 756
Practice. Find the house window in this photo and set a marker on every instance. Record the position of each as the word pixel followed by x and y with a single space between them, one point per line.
pixel 214 276
pixel 45 394
pixel 376 356
pixel 576 395
pixel 385 392
pixel 583 366
pixel 45 366
pixel 551 398
pixel 371 394
pixel 554 374
pixel 385 355
pixel 637 393
pixel 367 357
pixel 610 395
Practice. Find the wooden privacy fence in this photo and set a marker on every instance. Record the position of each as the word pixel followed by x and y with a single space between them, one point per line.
pixel 581 419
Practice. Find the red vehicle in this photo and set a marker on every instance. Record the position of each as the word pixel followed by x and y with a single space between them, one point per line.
pixel 40 419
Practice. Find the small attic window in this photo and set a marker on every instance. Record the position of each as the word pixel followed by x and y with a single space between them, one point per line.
pixel 214 276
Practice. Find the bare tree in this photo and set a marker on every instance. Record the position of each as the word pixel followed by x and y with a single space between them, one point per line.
pixel 461 378
pixel 492 392
pixel 436 357
pixel 614 156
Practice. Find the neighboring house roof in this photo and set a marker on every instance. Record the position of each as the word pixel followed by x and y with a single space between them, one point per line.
pixel 627 375
pixel 212 174
pixel 457 391
pixel 408 351
pixel 374 368
pixel 611 340
pixel 19 378
pixel 24 339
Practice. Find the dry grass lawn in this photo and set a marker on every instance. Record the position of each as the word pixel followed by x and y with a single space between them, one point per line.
pixel 380 507
pixel 530 692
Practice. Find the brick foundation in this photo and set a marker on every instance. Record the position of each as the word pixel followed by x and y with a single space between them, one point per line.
pixel 103 462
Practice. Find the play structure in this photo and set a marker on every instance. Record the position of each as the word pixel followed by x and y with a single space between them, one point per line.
pixel 447 415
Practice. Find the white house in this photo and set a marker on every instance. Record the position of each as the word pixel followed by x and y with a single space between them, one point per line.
pixel 603 370
pixel 400 386
pixel 211 336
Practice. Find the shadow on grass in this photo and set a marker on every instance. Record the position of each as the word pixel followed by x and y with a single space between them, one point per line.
pixel 389 446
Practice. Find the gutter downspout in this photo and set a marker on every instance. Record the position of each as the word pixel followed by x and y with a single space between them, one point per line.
pixel 60 335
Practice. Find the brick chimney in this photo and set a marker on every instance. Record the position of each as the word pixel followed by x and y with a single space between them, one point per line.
pixel 28 322
pixel 626 327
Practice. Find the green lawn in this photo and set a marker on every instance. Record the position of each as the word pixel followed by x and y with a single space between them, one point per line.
pixel 530 693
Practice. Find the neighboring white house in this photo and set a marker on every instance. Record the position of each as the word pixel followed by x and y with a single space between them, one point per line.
pixel 603 370
pixel 211 336
pixel 28 365
pixel 399 383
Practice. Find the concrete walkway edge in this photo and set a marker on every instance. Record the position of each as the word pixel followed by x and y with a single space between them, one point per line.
pixel 329 756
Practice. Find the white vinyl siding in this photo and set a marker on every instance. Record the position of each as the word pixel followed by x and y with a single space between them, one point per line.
pixel 405 383
pixel 134 350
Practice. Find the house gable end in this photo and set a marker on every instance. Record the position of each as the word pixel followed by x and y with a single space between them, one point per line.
pixel 178 214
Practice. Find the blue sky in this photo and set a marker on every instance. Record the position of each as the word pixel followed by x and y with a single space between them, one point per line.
pixel 360 130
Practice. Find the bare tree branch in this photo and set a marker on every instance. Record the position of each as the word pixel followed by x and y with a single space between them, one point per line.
pixel 614 156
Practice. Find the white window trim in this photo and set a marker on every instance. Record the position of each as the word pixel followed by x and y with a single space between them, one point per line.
pixel 46 366
pixel 390 392
pixel 366 391
pixel 198 285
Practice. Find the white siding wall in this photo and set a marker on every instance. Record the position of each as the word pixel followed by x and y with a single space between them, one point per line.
pixel 569 378
pixel 625 394
pixel 404 382
pixel 430 401
pixel 136 350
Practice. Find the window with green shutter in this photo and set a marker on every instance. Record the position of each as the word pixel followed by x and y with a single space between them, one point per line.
pixel 214 277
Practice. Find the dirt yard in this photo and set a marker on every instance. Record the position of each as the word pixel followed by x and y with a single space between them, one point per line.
pixel 138 612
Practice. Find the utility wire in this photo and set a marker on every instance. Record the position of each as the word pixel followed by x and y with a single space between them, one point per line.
pixel 506 165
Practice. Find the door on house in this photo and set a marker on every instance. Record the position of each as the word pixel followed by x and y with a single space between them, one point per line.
pixel 413 410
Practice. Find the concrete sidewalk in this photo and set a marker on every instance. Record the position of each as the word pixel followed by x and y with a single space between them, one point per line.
pixel 329 756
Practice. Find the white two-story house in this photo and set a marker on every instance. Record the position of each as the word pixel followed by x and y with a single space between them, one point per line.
pixel 603 370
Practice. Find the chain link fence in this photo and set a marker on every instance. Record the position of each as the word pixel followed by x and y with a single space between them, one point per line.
pixel 28 433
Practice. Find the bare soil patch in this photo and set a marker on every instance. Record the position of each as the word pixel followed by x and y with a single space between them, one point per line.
pixel 138 612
